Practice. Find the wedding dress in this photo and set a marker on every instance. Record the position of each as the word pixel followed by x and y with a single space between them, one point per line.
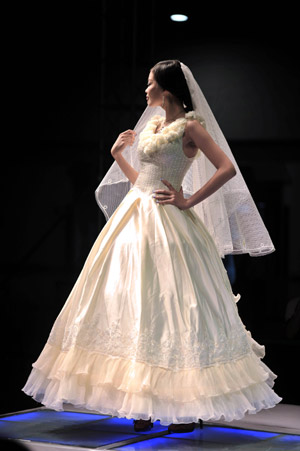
pixel 151 326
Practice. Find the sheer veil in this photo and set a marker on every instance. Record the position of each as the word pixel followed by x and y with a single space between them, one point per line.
pixel 229 214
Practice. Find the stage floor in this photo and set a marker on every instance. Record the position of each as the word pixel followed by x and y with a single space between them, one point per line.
pixel 42 429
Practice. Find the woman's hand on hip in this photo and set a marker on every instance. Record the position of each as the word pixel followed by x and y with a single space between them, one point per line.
pixel 170 196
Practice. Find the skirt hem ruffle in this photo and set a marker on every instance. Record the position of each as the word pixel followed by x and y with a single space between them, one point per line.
pixel 137 390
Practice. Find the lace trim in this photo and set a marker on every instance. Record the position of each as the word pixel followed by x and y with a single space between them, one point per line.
pixel 174 350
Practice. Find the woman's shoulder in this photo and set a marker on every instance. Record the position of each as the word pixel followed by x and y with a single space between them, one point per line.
pixel 194 118
pixel 195 124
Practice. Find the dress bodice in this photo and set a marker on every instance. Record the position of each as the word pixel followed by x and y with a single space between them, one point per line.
pixel 161 154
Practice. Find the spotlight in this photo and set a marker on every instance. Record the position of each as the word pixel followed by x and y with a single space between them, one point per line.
pixel 179 17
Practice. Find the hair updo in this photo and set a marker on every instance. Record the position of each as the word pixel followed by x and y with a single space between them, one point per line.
pixel 170 77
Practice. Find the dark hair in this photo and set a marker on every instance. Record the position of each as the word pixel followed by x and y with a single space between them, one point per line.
pixel 170 77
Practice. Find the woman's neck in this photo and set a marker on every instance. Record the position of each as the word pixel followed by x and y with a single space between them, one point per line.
pixel 173 112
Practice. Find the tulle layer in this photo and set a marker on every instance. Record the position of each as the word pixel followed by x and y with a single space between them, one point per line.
pixel 131 389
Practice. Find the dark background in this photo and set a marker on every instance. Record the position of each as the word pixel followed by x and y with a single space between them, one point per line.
pixel 75 75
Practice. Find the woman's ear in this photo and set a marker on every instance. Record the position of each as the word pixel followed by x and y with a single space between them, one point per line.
pixel 168 96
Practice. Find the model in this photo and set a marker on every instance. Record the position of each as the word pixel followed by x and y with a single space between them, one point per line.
pixel 151 330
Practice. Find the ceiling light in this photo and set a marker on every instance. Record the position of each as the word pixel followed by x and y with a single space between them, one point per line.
pixel 179 17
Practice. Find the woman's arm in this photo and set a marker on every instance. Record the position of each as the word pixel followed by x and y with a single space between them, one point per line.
pixel 225 169
pixel 123 140
pixel 128 170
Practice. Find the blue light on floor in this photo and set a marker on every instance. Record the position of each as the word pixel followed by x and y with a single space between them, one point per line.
pixel 295 439
pixel 62 415
pixel 208 438
pixel 95 430
pixel 115 423
pixel 67 428
pixel 244 433
pixel 228 435
pixel 22 417
pixel 77 416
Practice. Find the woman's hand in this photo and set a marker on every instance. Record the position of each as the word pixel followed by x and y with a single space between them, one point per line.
pixel 172 196
pixel 124 139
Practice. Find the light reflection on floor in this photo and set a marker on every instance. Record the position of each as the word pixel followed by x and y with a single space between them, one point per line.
pixel 90 431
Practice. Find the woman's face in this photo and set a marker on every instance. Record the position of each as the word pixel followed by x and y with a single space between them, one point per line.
pixel 154 93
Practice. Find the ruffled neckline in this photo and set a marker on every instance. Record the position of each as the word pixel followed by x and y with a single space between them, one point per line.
pixel 151 141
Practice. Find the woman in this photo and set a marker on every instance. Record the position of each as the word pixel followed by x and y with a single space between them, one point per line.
pixel 150 330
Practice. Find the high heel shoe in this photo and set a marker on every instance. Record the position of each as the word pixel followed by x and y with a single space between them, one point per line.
pixel 184 427
pixel 181 427
pixel 142 425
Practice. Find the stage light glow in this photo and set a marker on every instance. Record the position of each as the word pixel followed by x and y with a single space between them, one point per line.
pixel 179 17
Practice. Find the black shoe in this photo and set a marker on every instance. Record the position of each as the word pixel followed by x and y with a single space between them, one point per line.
pixel 142 425
pixel 181 427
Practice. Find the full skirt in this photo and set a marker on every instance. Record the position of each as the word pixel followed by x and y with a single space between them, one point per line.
pixel 151 327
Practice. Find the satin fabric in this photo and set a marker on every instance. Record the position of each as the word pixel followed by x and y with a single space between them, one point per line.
pixel 151 327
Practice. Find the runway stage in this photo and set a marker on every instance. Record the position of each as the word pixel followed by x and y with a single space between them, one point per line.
pixel 42 429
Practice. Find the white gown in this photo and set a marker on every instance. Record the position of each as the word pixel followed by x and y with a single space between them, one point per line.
pixel 151 327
